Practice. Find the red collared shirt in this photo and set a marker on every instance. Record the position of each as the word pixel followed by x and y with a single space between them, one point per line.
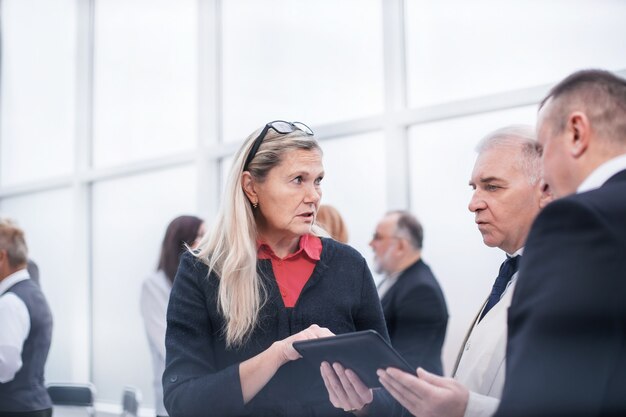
pixel 294 270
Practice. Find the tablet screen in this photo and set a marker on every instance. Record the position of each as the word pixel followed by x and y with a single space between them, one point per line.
pixel 363 352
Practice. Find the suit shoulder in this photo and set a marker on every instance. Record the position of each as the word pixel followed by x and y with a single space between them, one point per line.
pixel 420 274
pixel 597 209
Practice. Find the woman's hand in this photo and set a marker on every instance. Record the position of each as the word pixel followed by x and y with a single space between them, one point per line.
pixel 345 388
pixel 285 347
pixel 257 371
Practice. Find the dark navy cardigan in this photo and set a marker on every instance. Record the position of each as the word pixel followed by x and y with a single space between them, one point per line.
pixel 201 377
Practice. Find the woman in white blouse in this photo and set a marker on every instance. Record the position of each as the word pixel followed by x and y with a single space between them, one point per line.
pixel 155 293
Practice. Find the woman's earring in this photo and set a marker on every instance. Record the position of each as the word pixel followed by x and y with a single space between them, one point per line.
pixel 255 205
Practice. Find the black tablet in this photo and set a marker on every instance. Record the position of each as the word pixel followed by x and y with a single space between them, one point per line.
pixel 363 352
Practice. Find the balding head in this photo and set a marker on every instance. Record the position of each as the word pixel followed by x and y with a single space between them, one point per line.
pixel 581 125
pixel 599 94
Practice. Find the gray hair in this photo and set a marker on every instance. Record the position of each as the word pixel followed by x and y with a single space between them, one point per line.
pixel 12 240
pixel 523 136
pixel 409 227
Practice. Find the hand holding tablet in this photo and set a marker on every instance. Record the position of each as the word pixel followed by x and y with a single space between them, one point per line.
pixel 363 352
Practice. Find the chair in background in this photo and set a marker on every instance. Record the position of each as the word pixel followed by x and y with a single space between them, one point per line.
pixel 131 397
pixel 71 399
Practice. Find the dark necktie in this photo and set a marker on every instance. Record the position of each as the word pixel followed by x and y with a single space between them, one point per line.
pixel 507 269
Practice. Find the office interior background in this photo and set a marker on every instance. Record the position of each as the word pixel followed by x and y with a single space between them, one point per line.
pixel 118 115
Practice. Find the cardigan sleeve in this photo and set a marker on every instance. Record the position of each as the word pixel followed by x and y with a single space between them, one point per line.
pixel 193 383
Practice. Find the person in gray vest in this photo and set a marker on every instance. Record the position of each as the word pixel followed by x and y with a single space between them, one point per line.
pixel 25 331
pixel 33 271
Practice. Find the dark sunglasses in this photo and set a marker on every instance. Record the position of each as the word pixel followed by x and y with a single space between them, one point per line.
pixel 280 126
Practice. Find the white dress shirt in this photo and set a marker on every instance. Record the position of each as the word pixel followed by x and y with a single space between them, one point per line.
pixel 602 173
pixel 482 364
pixel 14 326
pixel 386 283
pixel 155 294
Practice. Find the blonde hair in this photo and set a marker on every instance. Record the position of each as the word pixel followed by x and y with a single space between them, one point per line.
pixel 230 249
pixel 330 220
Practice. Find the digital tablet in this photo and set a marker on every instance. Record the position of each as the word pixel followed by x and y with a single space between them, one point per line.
pixel 363 352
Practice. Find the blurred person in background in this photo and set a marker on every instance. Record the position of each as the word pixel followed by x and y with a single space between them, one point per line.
pixel 329 219
pixel 25 331
pixel 182 232
pixel 262 279
pixel 413 303
pixel 33 271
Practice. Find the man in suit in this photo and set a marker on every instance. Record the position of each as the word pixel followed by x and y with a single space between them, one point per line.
pixel 508 194
pixel 413 304
pixel 566 352
pixel 25 331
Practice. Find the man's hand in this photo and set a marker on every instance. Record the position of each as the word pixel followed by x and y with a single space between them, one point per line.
pixel 425 395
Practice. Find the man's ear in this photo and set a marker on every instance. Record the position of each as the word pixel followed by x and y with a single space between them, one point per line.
pixel 546 195
pixel 579 131
pixel 247 183
pixel 403 245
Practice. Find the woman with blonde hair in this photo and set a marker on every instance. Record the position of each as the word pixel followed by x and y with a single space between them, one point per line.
pixel 260 280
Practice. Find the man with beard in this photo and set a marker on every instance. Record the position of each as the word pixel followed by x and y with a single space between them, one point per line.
pixel 413 304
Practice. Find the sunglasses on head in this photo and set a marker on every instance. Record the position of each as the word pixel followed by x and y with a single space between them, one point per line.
pixel 280 126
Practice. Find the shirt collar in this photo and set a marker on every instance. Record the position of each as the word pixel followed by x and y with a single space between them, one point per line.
pixel 602 173
pixel 519 252
pixel 13 279
pixel 309 244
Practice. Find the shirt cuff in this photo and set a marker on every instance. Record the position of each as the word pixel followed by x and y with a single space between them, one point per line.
pixel 479 405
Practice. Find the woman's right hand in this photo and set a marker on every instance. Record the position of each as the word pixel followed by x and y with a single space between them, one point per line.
pixel 256 372
pixel 285 348
pixel 345 388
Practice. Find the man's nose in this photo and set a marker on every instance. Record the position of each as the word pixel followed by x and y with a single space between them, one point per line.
pixel 476 202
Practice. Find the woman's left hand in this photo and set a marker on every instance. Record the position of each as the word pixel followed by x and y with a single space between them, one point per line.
pixel 345 388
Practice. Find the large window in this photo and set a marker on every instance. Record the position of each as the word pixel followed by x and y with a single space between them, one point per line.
pixel 311 61
pixel 356 190
pixel 461 49
pixel 145 79
pixel 38 90
pixel 130 216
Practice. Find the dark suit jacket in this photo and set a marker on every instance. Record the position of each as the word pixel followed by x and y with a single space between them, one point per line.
pixel 566 353
pixel 417 317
